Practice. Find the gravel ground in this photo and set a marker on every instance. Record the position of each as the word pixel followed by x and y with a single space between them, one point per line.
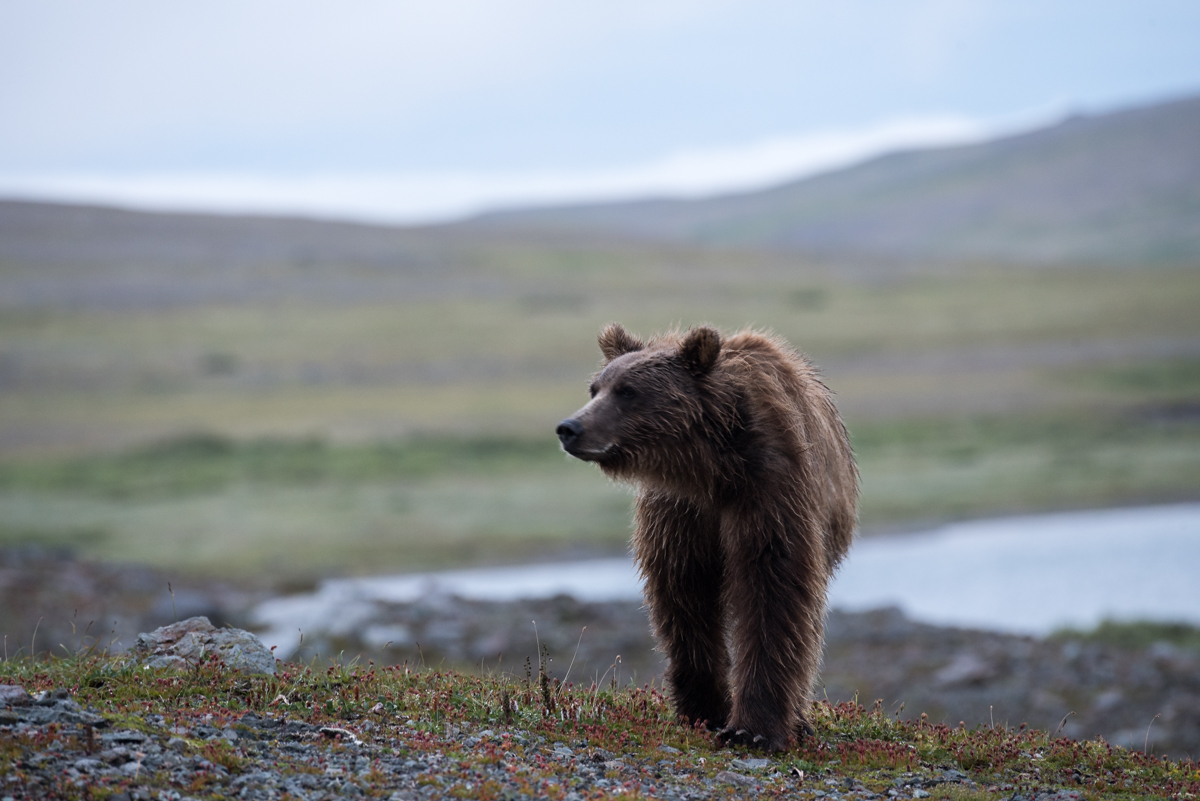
pixel 63 751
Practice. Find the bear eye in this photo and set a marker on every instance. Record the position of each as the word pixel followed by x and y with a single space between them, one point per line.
pixel 626 392
pixel 592 390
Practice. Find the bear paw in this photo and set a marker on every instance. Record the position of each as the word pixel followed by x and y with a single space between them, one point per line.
pixel 732 736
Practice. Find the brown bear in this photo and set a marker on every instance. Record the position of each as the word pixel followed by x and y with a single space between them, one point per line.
pixel 747 495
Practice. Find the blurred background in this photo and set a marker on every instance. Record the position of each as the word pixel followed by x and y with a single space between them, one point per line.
pixel 293 291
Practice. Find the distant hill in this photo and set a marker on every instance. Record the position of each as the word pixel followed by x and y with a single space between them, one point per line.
pixel 78 255
pixel 1116 188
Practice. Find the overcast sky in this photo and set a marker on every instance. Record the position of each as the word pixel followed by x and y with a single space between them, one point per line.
pixel 410 111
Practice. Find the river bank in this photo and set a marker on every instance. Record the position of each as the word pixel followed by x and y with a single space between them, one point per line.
pixel 1146 697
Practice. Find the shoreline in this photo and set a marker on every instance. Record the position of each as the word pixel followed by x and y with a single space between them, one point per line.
pixel 950 674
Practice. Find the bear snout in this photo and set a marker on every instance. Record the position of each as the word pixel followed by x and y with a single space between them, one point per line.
pixel 569 431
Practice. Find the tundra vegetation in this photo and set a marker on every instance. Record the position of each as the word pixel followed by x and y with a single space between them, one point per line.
pixel 224 412
pixel 362 729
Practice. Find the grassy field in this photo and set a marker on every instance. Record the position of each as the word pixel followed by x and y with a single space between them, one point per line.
pixel 295 509
pixel 987 341
pixel 388 428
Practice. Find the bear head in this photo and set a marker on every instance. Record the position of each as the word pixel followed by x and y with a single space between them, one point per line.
pixel 647 400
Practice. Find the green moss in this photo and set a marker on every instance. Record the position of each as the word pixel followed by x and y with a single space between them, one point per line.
pixel 212 503
pixel 206 463
pixel 1166 377
pixel 1137 635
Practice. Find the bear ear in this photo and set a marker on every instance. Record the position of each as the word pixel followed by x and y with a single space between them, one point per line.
pixel 616 341
pixel 700 350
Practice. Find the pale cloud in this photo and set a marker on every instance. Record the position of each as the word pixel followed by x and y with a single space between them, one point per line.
pixel 473 103
pixel 270 65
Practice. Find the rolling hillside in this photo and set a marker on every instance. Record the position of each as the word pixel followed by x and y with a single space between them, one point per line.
pixel 1117 188
pixel 298 398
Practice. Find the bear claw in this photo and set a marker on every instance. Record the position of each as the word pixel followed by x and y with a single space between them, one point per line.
pixel 730 736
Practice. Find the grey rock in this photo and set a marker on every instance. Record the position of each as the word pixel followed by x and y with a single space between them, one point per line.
pixel 124 736
pixel 183 644
pixel 966 669
pixel 750 764
pixel 14 695
pixel 117 755
pixel 51 707
pixel 737 779
pixel 256 777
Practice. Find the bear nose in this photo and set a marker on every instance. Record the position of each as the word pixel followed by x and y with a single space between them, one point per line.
pixel 568 431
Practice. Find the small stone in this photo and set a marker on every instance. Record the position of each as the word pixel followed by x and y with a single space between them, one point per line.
pixel 125 736
pixel 338 732
pixel 666 749
pixel 919 793
pixel 750 764
pixel 14 695
pixel 738 779
pixel 52 697
pixel 115 755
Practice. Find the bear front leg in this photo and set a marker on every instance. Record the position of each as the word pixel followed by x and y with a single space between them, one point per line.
pixel 776 582
pixel 678 551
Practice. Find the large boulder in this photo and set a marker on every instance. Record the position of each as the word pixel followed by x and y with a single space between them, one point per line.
pixel 187 642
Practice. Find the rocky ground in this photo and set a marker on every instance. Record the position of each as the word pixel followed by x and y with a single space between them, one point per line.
pixel 1144 698
pixel 58 750
pixel 1148 698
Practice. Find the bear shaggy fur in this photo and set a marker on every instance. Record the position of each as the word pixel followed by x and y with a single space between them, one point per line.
pixel 747 491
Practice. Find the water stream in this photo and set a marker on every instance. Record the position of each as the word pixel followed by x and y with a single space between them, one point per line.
pixel 1027 574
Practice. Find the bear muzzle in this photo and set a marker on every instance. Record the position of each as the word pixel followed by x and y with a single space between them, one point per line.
pixel 569 431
